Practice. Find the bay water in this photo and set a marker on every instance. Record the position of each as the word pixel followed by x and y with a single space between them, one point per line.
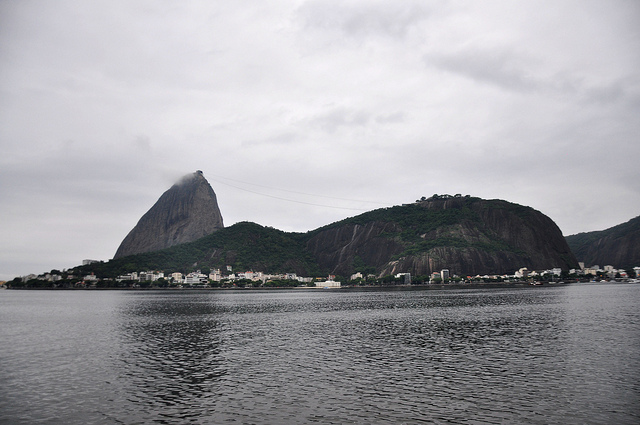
pixel 561 354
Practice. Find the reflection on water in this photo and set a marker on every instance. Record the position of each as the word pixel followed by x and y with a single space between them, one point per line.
pixel 169 356
pixel 526 355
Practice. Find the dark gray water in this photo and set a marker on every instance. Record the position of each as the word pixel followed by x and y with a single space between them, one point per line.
pixel 550 355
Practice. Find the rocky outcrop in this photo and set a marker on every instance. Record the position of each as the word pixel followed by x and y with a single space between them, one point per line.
pixel 339 248
pixel 618 246
pixel 186 212
pixel 466 235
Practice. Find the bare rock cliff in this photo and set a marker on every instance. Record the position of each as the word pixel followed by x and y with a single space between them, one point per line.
pixel 186 212
pixel 466 235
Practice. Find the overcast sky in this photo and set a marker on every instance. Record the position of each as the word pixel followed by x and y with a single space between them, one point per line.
pixel 301 113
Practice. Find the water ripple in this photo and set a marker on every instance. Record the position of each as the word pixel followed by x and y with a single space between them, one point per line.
pixel 539 356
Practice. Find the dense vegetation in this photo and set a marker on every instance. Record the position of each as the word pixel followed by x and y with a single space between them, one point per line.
pixel 244 246
pixel 418 223
pixel 414 219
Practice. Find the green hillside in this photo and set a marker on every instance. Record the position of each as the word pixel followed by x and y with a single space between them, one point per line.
pixel 244 246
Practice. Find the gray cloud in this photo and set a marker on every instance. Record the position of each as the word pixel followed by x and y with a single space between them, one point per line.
pixel 501 67
pixel 282 140
pixel 365 18
pixel 392 118
pixel 337 118
pixel 507 69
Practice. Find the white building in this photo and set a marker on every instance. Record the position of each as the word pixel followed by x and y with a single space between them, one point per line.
pixel 150 276
pixel 129 276
pixel 215 275
pixel 328 284
pixel 196 278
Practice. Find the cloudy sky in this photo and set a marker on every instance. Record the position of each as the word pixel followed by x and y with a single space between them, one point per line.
pixel 301 113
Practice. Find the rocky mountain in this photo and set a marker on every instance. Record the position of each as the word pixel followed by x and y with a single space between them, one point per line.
pixel 466 235
pixel 186 212
pixel 618 246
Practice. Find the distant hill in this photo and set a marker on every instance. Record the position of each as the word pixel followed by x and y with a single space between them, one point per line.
pixel 618 246
pixel 466 235
pixel 184 213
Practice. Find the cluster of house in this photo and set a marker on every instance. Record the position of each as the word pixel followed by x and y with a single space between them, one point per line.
pixel 609 271
pixel 199 279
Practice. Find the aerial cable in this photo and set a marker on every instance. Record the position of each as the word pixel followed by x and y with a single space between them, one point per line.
pixel 288 200
pixel 292 191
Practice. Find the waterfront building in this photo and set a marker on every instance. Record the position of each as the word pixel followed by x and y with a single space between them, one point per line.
pixel 328 284
pixel 196 278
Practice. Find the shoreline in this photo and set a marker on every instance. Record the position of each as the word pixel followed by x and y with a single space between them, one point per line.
pixel 439 286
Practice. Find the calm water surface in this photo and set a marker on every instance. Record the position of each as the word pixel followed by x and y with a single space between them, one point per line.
pixel 550 355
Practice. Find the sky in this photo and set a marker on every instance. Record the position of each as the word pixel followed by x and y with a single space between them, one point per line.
pixel 302 113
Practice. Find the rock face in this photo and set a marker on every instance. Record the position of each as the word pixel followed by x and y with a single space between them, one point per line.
pixel 466 235
pixel 186 212
pixel 618 246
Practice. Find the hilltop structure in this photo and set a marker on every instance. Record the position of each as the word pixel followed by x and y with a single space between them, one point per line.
pixel 186 212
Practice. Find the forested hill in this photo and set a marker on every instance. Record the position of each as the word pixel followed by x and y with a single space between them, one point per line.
pixel 618 246
pixel 244 246
pixel 466 235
